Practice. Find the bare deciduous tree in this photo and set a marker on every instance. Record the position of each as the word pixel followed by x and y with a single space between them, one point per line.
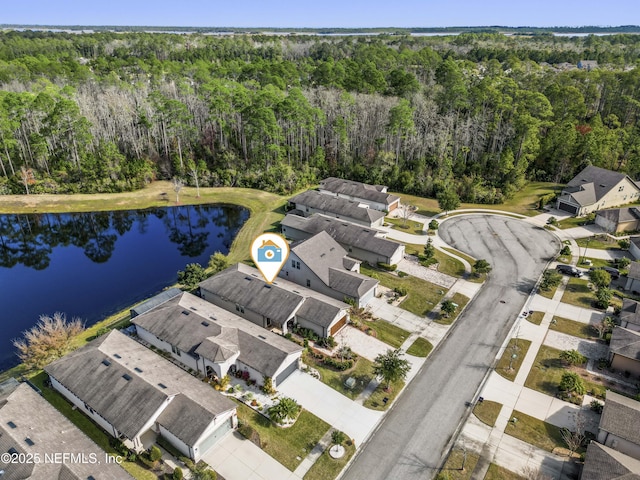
pixel 406 212
pixel 531 473
pixel 48 340
pixel 177 187
pixel 575 438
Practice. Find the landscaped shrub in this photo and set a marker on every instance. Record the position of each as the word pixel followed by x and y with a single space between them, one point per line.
pixel 338 364
pixel 328 342
pixel 402 291
pixel 267 385
pixel 402 274
pixel 177 474
pixel 338 437
pixel 433 225
pixel 596 406
pixel 566 251
pixel 155 453
pixel 387 267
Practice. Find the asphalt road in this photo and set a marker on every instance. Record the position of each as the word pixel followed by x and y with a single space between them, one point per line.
pixel 412 439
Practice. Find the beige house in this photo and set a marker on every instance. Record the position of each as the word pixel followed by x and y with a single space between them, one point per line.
pixel 624 351
pixel 630 315
pixel 596 188
pixel 626 219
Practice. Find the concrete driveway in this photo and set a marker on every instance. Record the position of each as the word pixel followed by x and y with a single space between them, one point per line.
pixel 332 407
pixel 364 345
pixel 415 435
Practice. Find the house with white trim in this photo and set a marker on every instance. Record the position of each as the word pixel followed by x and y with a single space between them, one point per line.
pixel 310 202
pixel 215 342
pixel 375 196
pixel 135 395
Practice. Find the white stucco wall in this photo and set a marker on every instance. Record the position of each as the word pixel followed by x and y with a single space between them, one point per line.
pixel 184 358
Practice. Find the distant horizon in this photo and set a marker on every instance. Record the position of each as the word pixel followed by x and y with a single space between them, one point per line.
pixel 356 14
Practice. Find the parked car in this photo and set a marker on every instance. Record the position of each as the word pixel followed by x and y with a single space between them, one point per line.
pixel 569 270
pixel 614 272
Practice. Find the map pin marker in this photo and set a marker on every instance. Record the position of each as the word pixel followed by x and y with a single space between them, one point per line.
pixel 269 251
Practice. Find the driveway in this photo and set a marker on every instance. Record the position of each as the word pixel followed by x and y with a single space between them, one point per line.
pixel 414 437
pixel 364 345
pixel 332 407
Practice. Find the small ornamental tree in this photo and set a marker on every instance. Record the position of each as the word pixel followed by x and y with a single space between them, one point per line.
pixel 177 187
pixel 391 367
pixel 481 266
pixel 603 296
pixel 433 225
pixel 600 278
pixel 550 279
pixel 448 307
pixel 448 200
pixel 566 251
pixel 624 244
pixel 429 249
pixel 338 437
pixel 572 357
pixel 285 409
pixel 623 263
pixel 218 262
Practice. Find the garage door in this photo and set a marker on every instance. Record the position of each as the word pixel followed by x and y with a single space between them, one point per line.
pixel 341 323
pixel 208 442
pixel 567 207
pixel 286 372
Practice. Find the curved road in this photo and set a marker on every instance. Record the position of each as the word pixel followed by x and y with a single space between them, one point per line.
pixel 412 439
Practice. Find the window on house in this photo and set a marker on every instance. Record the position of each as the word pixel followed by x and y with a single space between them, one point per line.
pixel 162 385
pixel 621 188
pixel 12 425
pixel 137 369
pixel 29 442
pixel 293 264
pixel 175 350
pixel 298 265
pixel 268 322
pixel 308 283
pixel 126 376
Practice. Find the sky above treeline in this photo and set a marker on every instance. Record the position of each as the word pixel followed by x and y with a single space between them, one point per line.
pixel 325 13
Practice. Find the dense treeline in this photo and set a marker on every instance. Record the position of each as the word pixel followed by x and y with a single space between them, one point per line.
pixel 480 113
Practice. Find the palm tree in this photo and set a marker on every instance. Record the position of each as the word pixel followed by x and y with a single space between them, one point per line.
pixel 391 367
pixel 287 408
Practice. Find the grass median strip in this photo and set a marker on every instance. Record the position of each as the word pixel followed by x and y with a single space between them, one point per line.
pixel 487 412
pixel 327 468
pixel 376 400
pixel 535 318
pixel 420 348
pixel 512 358
pixel 453 467
pixel 460 300
pixel 496 472
pixel 388 332
pixel 571 327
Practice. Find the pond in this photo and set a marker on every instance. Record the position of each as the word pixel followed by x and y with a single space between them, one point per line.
pixel 90 265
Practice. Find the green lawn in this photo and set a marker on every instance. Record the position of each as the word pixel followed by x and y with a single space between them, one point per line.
pixel 420 348
pixel 487 412
pixel 571 327
pixel 375 401
pixel 388 332
pixel 407 226
pixel 599 243
pixel 523 202
pixel 462 301
pixel 285 444
pixel 547 370
pixel 548 293
pixel 422 296
pixel 327 468
pixel 460 254
pixel 571 222
pixel 535 318
pixel 452 467
pixel 578 293
pixel 90 429
pixel 496 472
pixel 361 371
pixel 535 432
pixel 595 262
pixel 446 264
pixel 518 347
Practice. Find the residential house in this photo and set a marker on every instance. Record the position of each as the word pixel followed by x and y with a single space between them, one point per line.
pixel 310 202
pixel 321 264
pixel 31 427
pixel 633 277
pixel 135 395
pixel 242 290
pixel 154 301
pixel 625 219
pixel 587 65
pixel 630 315
pixel 620 424
pixel 362 243
pixel 215 342
pixel 595 188
pixel 375 196
pixel 604 463
pixel 624 351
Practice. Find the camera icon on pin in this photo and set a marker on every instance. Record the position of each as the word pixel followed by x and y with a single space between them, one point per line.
pixel 269 252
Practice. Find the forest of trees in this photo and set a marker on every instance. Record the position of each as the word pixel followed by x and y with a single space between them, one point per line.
pixel 481 112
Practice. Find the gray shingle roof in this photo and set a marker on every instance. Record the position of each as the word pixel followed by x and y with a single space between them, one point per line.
pixel 634 270
pixel 346 209
pixel 621 417
pixel 626 343
pixel 279 284
pixel 372 193
pixel 604 463
pixel 324 257
pixel 181 415
pixel 96 375
pixel 591 184
pixel 317 312
pixel 49 430
pixel 630 311
pixel 344 233
pixel 620 215
pixel 247 288
pixel 219 339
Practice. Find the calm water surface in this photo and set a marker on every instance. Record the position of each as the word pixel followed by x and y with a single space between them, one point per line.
pixel 90 265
